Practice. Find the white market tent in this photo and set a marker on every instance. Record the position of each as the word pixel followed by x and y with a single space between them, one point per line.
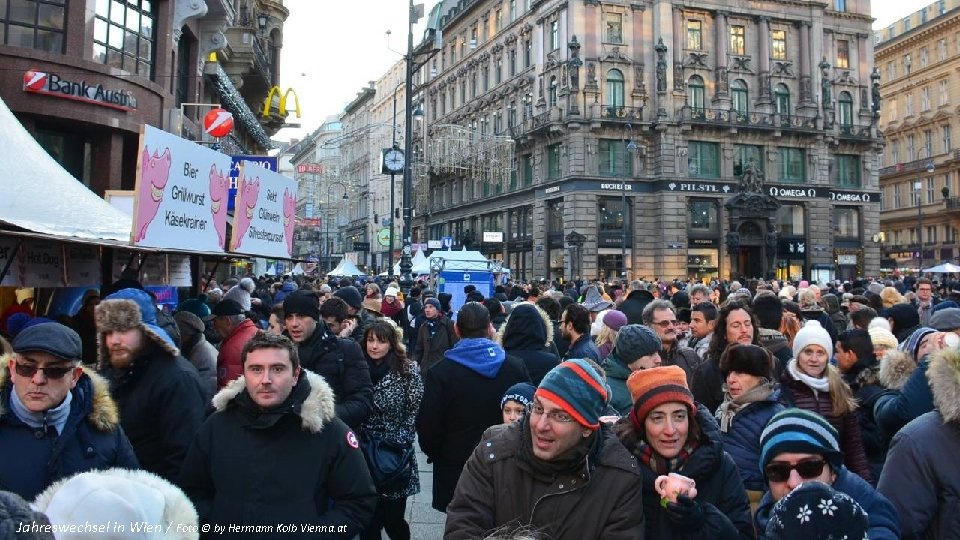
pixel 419 262
pixel 40 196
pixel 946 268
pixel 346 268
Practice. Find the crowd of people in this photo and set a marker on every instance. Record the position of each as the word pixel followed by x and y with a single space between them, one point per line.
pixel 267 407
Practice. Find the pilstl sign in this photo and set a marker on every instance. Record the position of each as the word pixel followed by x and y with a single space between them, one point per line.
pixel 52 84
pixel 282 105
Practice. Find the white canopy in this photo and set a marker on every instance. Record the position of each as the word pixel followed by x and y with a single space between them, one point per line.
pixel 946 268
pixel 460 260
pixel 419 262
pixel 41 197
pixel 346 268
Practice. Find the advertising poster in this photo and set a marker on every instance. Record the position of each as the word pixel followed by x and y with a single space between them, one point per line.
pixel 178 270
pixel 43 262
pixel 83 266
pixel 8 251
pixel 264 218
pixel 180 195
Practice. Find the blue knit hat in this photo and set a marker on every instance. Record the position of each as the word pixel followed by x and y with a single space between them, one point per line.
pixel 802 432
pixel 521 392
pixel 578 389
pixel 815 510
pixel 912 343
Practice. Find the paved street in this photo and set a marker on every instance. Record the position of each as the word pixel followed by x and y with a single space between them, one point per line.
pixel 425 522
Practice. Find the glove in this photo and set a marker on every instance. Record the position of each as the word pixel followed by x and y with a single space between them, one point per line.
pixel 686 514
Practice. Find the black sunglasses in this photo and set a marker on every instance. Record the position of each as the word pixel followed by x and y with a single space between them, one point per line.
pixel 25 370
pixel 778 471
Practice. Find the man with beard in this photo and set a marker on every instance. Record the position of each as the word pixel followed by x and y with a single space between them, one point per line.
pixel 660 317
pixel 159 393
pixel 559 470
pixel 735 324
pixel 575 327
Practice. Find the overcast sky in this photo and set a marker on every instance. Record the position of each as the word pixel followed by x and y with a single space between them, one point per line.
pixel 331 49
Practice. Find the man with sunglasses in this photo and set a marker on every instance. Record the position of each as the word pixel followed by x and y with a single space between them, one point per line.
pixel 56 418
pixel 661 317
pixel 801 446
pixel 559 470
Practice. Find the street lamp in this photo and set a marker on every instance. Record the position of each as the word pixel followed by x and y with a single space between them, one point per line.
pixel 629 147
pixel 324 230
pixel 919 189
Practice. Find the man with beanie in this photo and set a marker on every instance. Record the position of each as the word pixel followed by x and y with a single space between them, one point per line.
pixel 338 360
pixel 883 340
pixel 461 396
pixel 235 329
pixel 558 471
pixel 636 347
pixel 198 350
pixel 660 317
pixel 769 311
pixel 801 446
pixel 903 319
pixel 840 515
pixel 161 399
pixel 351 295
pixel 241 292
pixel 435 335
pixel 56 417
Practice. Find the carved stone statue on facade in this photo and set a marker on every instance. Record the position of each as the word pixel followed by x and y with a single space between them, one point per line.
pixel 772 240
pixel 733 242
pixel 661 66
pixel 826 86
pixel 751 180
pixel 875 95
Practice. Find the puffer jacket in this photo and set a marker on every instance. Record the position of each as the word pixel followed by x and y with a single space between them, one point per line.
pixel 895 409
pixel 742 440
pixel 526 335
pixel 720 491
pixel 617 375
pixel 796 393
pixel 883 521
pixel 229 365
pixel 499 488
pixel 91 439
pixel 919 478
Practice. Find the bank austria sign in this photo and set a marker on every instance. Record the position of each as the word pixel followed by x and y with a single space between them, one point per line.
pixel 52 84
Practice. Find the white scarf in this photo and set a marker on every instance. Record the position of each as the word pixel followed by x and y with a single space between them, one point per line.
pixel 818 385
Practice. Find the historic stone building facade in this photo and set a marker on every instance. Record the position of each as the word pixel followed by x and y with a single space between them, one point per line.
pixel 706 141
pixel 918 57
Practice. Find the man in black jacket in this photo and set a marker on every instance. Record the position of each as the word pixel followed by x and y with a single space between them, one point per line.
pixel 275 453
pixel 636 300
pixel 340 361
pixel 159 393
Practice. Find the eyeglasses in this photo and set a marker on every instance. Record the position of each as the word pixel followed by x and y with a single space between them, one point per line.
pixel 26 370
pixel 666 324
pixel 779 471
pixel 554 416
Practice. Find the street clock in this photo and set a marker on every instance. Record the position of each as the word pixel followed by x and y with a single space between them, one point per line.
pixel 393 161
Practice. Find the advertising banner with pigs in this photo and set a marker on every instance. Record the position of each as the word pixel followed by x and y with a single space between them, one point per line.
pixel 265 213
pixel 181 194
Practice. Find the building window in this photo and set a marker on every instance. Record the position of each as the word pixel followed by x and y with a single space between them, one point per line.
pixel 942 50
pixel 498 70
pixel 737 40
pixel 790 220
pixel 498 20
pixel 781 96
pixel 944 92
pixel 703 160
pixel 924 57
pixel 39 24
pixel 907 63
pixel 792 165
pixel 695 35
pixel 614 28
pixel 839 5
pixel 914 194
pixel 615 88
pixel 552 92
pixel 740 96
pixel 527 53
pixel 553 161
pixel 702 217
pixel 512 55
pixel 554 35
pixel 696 93
pixel 485 77
pixel 930 189
pixel 779 38
pixel 845 102
pixel 911 146
pixel 847 222
pixel 611 215
pixel 925 99
pixel 947 138
pixel 928 141
pixel 895 151
pixel 897 199
pixel 123 35
pixel 526 164
pixel 846 170
pixel 743 155
pixel 513 10
pixel 512 114
pixel 891 71
pixel 614 159
pixel 843 54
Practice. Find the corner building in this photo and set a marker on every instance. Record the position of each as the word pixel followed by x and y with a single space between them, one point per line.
pixel 593 134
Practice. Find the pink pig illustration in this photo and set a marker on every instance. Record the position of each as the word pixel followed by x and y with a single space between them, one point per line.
pixel 289 217
pixel 219 192
pixel 154 174
pixel 248 191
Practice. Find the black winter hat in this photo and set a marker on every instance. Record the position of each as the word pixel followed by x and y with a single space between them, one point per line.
pixel 635 341
pixel 769 310
pixel 302 302
pixel 750 359
pixel 904 316
pixel 351 296
pixel 815 510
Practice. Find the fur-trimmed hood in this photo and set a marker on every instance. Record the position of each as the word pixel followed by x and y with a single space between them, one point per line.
pixel 122 496
pixel 895 368
pixel 317 409
pixel 125 313
pixel 104 415
pixel 944 377
pixel 522 330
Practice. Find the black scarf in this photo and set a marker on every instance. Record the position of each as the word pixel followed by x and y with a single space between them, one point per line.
pixel 379 370
pixel 258 418
pixel 567 463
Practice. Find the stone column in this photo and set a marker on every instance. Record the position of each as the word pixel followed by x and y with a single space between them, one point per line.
pixel 640 55
pixel 763 42
pixel 679 31
pixel 722 84
pixel 806 75
pixel 863 74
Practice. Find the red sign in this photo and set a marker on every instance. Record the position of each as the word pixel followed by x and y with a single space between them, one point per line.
pixel 52 84
pixel 218 123
pixel 310 168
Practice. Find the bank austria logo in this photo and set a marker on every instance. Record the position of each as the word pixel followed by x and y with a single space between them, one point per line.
pixel 52 84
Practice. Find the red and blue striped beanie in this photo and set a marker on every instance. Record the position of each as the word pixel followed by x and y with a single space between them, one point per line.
pixel 578 389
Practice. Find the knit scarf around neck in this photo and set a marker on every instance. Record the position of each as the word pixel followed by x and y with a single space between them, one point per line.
pixel 389 309
pixel 55 417
pixel 731 406
pixel 817 385
pixel 661 465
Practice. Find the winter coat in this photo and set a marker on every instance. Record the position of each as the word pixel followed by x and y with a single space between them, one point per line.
pixel 864 379
pixel 527 335
pixel 796 393
pixel 285 289
pixel 776 344
pixel 720 491
pixel 434 338
pixel 162 406
pixel 742 440
pixel 920 478
pixel 895 409
pixel 461 399
pixel 617 375
pixel 203 356
pixel 684 357
pixel 296 464
pixel 91 439
pixel 583 348
pixel 396 402
pixel 229 365
pixel 882 517
pixel 498 488
pixel 633 306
